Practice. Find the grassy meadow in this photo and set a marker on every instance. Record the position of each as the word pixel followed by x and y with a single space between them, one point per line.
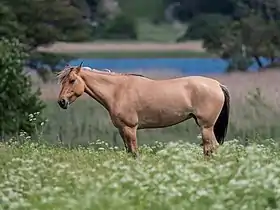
pixel 168 176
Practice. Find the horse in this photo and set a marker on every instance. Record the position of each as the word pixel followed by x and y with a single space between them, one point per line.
pixel 136 102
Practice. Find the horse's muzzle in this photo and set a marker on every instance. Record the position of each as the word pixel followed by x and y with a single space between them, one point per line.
pixel 63 103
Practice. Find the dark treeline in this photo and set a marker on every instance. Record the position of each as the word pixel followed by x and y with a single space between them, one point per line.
pixel 188 9
pixel 240 31
pixel 41 22
pixel 237 30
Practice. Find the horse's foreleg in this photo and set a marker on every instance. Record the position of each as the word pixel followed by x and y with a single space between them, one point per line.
pixel 129 136
pixel 124 139
pixel 210 143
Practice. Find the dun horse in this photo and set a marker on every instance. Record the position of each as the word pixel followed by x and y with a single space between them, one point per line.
pixel 136 102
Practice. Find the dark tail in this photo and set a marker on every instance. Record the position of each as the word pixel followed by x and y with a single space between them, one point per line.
pixel 221 125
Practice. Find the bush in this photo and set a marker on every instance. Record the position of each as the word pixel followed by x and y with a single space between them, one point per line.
pixel 121 27
pixel 19 107
pixel 205 25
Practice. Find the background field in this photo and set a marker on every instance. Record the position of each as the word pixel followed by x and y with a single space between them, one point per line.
pixel 254 111
pixel 105 49
pixel 100 46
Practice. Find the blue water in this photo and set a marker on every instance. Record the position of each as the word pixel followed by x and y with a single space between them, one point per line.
pixel 187 66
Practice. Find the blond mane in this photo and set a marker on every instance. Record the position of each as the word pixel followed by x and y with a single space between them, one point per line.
pixel 63 74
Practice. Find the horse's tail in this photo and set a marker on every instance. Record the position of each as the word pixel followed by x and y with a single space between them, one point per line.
pixel 221 125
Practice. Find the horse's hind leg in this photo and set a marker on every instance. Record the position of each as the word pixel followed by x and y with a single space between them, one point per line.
pixel 210 143
pixel 124 139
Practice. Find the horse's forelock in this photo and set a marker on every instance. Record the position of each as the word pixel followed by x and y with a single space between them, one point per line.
pixel 63 73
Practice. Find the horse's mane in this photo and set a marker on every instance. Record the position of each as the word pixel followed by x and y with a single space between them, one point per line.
pixel 66 71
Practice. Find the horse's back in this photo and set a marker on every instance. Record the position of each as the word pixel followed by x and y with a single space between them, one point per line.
pixel 189 87
pixel 194 85
pixel 193 80
pixel 202 80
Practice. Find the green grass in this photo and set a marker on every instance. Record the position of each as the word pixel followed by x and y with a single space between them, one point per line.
pixel 141 54
pixel 173 176
pixel 162 33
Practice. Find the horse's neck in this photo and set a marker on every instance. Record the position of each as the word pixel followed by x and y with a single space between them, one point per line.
pixel 99 86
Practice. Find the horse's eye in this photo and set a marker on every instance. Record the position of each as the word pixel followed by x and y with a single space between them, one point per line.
pixel 72 81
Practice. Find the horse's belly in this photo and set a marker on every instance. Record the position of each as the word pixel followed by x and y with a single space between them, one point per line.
pixel 161 118
pixel 165 107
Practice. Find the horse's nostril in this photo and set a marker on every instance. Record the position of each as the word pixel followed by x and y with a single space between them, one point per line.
pixel 62 102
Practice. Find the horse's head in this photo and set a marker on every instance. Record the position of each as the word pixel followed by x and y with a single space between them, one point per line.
pixel 72 86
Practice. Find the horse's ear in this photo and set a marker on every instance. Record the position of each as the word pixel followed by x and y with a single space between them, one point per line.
pixel 78 69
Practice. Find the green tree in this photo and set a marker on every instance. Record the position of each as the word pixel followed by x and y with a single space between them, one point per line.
pixel 19 105
pixel 9 26
pixel 150 10
pixel 250 37
pixel 188 9
pixel 250 32
pixel 43 22
pixel 206 26
pixel 120 27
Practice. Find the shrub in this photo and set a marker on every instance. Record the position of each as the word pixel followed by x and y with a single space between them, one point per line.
pixel 19 107
pixel 205 25
pixel 120 27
